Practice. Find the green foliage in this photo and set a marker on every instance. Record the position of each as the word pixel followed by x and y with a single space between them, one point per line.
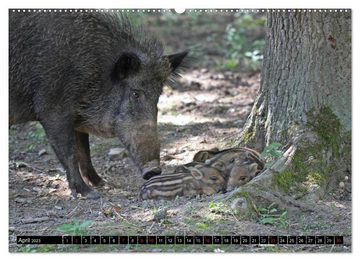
pixel 173 19
pixel 75 228
pixel 202 226
pixel 219 208
pixel 235 40
pixel 137 19
pixel 271 153
pixel 231 64
pixel 239 47
pixel 272 150
pixel 36 248
pixel 254 55
pixel 270 215
pixel 37 136
pixel 170 18
pixel 194 17
pixel 27 249
pixel 250 21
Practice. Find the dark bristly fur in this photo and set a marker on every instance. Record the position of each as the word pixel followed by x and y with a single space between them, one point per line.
pixel 80 73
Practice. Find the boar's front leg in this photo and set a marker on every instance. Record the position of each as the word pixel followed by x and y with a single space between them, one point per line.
pixel 63 141
pixel 83 152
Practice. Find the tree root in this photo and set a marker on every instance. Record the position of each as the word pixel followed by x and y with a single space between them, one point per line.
pixel 258 194
pixel 258 189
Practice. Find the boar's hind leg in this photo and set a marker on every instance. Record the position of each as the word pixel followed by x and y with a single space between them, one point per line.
pixel 86 168
pixel 63 141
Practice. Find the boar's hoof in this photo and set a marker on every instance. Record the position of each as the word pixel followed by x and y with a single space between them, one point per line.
pixel 98 183
pixel 151 172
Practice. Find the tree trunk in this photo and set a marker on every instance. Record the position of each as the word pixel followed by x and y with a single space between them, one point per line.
pixel 307 66
pixel 304 102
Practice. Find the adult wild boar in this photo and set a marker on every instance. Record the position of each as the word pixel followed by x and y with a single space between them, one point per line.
pixel 88 73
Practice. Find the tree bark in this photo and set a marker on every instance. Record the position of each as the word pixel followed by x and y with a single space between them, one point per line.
pixel 306 67
pixel 304 103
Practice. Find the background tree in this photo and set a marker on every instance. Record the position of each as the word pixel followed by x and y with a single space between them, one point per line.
pixel 304 102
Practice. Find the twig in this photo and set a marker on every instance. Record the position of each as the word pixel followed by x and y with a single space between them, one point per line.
pixel 27 165
pixel 332 248
pixel 72 211
pixel 232 213
pixel 35 220
pixel 149 230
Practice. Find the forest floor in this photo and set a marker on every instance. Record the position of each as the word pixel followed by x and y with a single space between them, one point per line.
pixel 206 109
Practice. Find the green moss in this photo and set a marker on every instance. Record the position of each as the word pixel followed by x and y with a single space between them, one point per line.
pixel 316 178
pixel 284 180
pixel 291 130
pixel 247 137
pixel 308 168
pixel 327 126
pixel 311 164
pixel 240 194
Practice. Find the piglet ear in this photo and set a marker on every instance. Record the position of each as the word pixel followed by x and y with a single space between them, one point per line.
pixel 197 174
pixel 127 64
pixel 201 156
pixel 253 170
pixel 176 59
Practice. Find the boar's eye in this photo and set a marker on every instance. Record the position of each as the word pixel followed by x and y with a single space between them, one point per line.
pixel 214 178
pixel 242 178
pixel 135 94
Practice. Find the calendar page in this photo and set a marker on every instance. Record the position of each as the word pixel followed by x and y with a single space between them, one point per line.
pixel 180 130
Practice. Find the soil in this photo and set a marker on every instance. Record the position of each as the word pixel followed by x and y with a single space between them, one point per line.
pixel 207 108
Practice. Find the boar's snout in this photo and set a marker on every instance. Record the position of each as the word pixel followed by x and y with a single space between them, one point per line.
pixel 143 144
pixel 145 149
pixel 151 169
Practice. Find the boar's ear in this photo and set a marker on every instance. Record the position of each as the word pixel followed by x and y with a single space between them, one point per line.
pixel 197 174
pixel 127 64
pixel 176 59
pixel 201 156
pixel 253 170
